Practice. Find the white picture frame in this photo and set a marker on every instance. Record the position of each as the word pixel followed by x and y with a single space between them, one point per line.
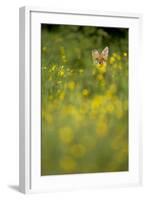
pixel 30 178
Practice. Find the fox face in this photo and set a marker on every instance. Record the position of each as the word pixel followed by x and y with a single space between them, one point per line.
pixel 100 58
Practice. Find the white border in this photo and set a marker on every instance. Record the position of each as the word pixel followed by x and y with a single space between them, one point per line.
pixel 30 178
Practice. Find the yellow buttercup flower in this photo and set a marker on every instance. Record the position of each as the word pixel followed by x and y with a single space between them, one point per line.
pixel 101 68
pixel 66 135
pixel 61 73
pixel 69 110
pixel 85 92
pixel 96 102
pixel 112 60
pixel 53 67
pixel 64 59
pixel 71 85
pixel 62 95
pixel 110 108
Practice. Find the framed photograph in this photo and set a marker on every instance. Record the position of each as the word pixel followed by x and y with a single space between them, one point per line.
pixel 79 100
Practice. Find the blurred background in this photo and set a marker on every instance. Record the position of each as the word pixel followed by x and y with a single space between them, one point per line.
pixel 78 42
pixel 84 122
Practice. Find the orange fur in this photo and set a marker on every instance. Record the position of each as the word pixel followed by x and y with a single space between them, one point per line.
pixel 100 58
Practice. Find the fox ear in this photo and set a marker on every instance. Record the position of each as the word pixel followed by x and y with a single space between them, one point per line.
pixel 105 52
pixel 95 54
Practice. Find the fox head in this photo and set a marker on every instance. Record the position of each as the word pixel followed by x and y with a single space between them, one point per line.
pixel 100 58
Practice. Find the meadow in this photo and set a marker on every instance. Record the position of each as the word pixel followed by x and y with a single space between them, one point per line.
pixel 84 106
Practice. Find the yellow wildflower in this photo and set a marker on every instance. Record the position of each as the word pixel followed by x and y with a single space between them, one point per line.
pixel 101 68
pixel 61 73
pixel 66 135
pixel 53 67
pixel 71 85
pixel 62 95
pixel 114 54
pixel 49 119
pixel 112 60
pixel 85 92
pixel 69 110
pixel 110 108
pixel 96 102
pixel 64 59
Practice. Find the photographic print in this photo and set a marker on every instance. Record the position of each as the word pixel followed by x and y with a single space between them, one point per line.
pixel 84 99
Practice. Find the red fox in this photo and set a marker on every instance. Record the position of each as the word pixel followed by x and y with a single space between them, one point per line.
pixel 100 58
